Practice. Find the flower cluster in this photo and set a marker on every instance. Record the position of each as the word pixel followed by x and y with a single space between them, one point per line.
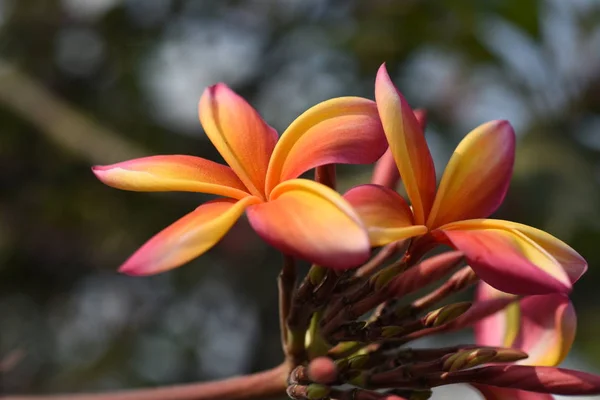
pixel 349 320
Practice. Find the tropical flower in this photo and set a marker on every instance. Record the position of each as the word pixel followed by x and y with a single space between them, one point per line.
pixel 300 217
pixel 511 257
pixel 542 326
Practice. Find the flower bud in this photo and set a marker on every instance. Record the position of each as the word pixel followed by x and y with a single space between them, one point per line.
pixel 446 314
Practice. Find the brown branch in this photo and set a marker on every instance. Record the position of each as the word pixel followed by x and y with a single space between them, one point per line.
pixel 60 122
pixel 286 283
pixel 326 175
pixel 262 385
pixel 386 252
pixel 458 282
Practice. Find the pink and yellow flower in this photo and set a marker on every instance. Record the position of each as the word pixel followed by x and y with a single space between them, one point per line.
pixel 511 257
pixel 542 326
pixel 298 216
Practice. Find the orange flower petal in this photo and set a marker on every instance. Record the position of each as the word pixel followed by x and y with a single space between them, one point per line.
pixel 187 238
pixel 313 222
pixel 385 214
pixel 407 144
pixel 386 171
pixel 172 173
pixel 509 260
pixel 476 179
pixel 241 136
pixel 542 326
pixel 344 130
pixel 548 325
pixel 572 262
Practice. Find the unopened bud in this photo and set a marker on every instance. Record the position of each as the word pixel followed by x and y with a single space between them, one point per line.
pixel 316 274
pixel 298 376
pixel 383 277
pixel 446 314
pixel 296 392
pixel 358 361
pixel 509 355
pixel 424 273
pixel 391 331
pixel 322 370
pixel 479 359
pixel 342 364
pixel 468 358
pixel 356 378
pixel 315 391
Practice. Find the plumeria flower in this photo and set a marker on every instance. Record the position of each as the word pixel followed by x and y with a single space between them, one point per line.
pixel 542 326
pixel 511 257
pixel 299 217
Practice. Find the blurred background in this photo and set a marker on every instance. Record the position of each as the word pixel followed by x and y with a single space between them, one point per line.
pixel 99 81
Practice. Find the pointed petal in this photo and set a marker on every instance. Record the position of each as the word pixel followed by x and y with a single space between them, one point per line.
pixel 496 393
pixel 542 326
pixel 571 261
pixel 237 131
pixel 507 259
pixel 313 222
pixel 345 130
pixel 386 171
pixel 385 214
pixel 476 179
pixel 407 144
pixel 172 173
pixel 187 238
pixel 548 325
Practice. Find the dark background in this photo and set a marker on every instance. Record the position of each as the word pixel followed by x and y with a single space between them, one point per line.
pixel 100 81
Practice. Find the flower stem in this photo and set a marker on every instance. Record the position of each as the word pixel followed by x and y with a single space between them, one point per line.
pixel 286 283
pixel 262 385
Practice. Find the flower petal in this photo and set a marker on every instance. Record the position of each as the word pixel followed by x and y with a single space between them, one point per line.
pixel 542 326
pixel 407 144
pixel 241 136
pixel 496 393
pixel 187 238
pixel 172 173
pixel 313 222
pixel 385 214
pixel 386 171
pixel 548 325
pixel 476 179
pixel 509 260
pixel 345 130
pixel 571 261
pixel 501 328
